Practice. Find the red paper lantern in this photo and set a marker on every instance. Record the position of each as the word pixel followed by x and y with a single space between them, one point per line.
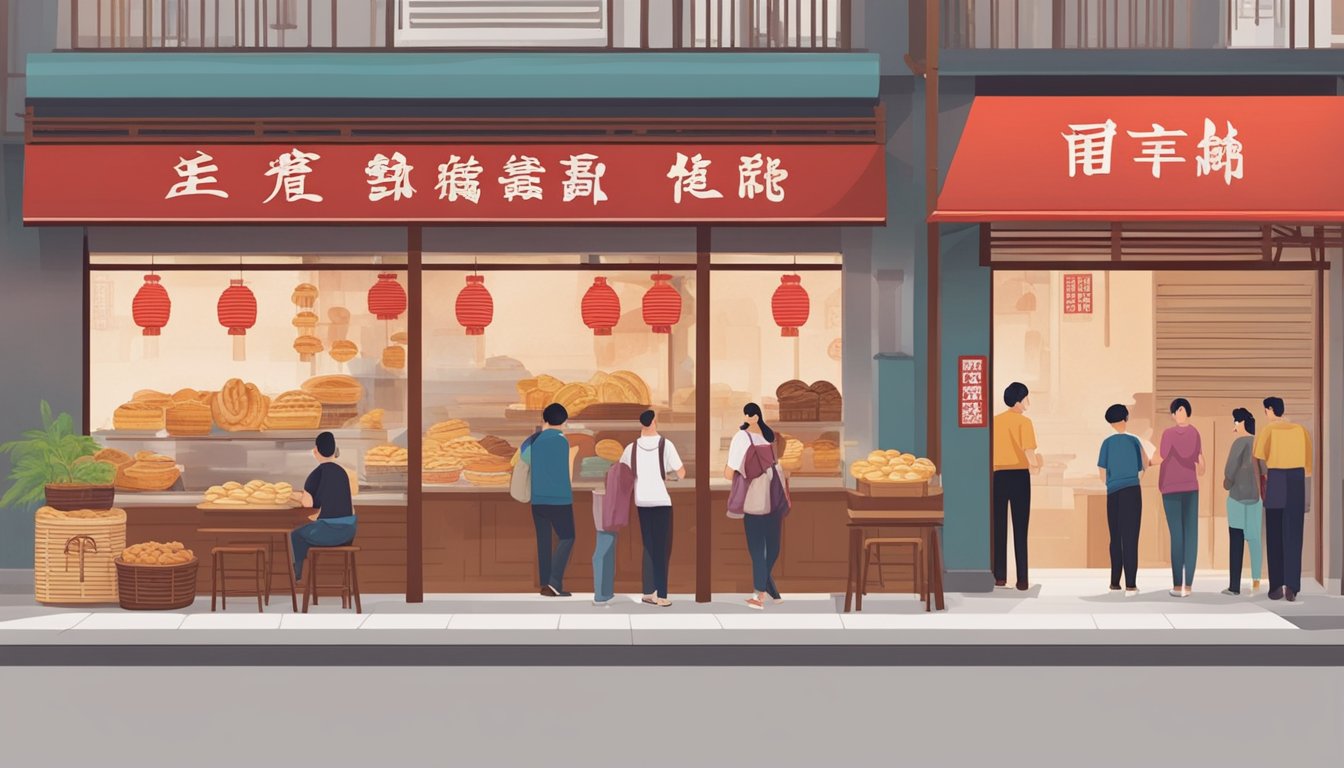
pixel 601 307
pixel 237 308
pixel 662 304
pixel 151 306
pixel 387 299
pixel 790 305
pixel 475 306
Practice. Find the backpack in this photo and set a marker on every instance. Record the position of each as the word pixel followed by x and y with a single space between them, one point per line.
pixel 520 484
pixel 620 488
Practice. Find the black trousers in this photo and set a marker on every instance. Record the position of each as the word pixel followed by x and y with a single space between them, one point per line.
pixel 1236 554
pixel 1124 514
pixel 655 528
pixel 1285 519
pixel 1011 487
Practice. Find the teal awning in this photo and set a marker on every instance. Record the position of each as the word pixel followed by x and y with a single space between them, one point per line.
pixel 438 75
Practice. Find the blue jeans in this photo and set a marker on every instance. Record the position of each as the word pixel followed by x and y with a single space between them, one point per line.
pixel 763 541
pixel 318 534
pixel 551 563
pixel 604 567
pixel 1183 523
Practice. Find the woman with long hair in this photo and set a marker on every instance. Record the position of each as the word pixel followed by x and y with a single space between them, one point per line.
pixel 752 469
pixel 1245 512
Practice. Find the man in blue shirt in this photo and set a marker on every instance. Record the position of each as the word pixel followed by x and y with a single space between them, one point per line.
pixel 1121 462
pixel 547 453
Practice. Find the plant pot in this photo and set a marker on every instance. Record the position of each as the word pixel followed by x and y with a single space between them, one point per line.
pixel 68 497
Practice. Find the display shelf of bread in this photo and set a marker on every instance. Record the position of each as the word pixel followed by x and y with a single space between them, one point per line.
pixel 450 454
pixel 255 494
pixel 893 473
pixel 803 402
pixel 820 457
pixel 606 396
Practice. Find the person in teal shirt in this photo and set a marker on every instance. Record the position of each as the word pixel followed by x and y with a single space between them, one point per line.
pixel 547 453
pixel 1121 462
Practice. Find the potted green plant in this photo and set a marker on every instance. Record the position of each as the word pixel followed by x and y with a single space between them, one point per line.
pixel 58 464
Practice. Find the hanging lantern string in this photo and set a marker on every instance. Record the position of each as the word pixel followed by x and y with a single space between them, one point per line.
pixel 151 263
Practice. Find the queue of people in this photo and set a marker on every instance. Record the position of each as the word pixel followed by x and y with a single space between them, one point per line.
pixel 1264 478
pixel 758 496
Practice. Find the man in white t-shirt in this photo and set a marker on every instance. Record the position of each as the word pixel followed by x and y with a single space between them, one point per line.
pixel 654 503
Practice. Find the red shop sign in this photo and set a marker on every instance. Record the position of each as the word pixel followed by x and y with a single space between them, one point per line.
pixel 1146 158
pixel 972 391
pixel 559 183
pixel 1078 294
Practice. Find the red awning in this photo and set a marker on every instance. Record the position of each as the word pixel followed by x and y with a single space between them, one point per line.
pixel 1261 158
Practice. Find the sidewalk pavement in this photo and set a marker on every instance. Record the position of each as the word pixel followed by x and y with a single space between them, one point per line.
pixel 1067 609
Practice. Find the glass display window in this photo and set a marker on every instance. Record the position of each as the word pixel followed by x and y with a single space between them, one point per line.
pixel 775 340
pixel 501 344
pixel 231 372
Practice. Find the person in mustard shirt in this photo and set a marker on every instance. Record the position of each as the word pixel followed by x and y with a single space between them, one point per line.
pixel 1285 448
pixel 1015 460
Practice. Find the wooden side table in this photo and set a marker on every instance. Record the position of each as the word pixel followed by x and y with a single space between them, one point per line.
pixel 920 516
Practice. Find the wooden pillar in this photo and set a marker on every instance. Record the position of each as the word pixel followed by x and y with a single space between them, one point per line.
pixel 933 351
pixel 415 521
pixel 704 518
pixel 85 407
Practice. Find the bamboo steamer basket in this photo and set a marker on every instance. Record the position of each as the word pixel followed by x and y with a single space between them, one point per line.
pixel 73 554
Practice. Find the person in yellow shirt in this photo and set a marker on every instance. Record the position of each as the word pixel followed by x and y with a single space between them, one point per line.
pixel 1014 460
pixel 1285 448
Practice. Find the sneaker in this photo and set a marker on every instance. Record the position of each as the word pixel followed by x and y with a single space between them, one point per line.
pixel 561 592
pixel 1231 593
pixel 548 592
pixel 603 603
pixel 1131 592
pixel 1176 593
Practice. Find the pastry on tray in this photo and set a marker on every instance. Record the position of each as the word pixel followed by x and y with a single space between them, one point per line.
pixel 257 493
pixel 152 397
pixel 239 407
pixel 139 416
pixel 304 295
pixel 334 390
pixel 148 471
pixel 189 395
pixel 394 358
pixel 440 469
pixel 294 410
pixel 371 420
pixel 488 471
pixel 449 430
pixel 157 553
pixel 387 456
pixel 114 457
pixel 497 446
pixel 344 350
pixel 190 418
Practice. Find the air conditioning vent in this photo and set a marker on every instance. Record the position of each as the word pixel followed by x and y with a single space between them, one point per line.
pixel 505 23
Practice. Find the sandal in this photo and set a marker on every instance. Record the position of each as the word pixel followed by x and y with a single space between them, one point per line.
pixel 755 604
pixel 662 602
pixel 648 600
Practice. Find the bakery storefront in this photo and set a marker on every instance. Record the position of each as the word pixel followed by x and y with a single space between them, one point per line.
pixel 425 300
pixel 1154 248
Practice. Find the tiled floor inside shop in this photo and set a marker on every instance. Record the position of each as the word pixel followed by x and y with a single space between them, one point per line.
pixel 1064 607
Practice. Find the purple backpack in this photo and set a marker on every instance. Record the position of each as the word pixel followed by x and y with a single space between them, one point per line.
pixel 619 496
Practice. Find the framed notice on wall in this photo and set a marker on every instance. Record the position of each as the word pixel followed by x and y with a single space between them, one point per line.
pixel 1078 294
pixel 972 391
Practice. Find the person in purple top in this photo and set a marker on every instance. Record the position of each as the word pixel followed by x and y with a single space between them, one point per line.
pixel 1182 465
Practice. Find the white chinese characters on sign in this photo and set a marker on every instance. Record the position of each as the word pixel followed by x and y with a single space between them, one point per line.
pixel 522 178
pixel 459 179
pixel 751 172
pixel 583 178
pixel 1091 146
pixel 1219 153
pixel 389 177
pixel 191 171
pixel 1159 146
pixel 692 178
pixel 291 171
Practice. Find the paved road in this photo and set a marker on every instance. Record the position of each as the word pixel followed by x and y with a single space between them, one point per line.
pixel 646 717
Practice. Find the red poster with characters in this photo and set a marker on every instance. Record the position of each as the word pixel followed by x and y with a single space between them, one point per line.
pixel 972 391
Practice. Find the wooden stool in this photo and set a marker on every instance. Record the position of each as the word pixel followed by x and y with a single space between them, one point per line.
pixel 349 586
pixel 916 544
pixel 218 572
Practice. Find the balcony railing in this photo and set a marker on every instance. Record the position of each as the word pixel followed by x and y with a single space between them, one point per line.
pixel 221 25
pixel 1141 24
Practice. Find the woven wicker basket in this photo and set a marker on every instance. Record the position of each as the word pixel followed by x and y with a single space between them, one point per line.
pixel 156 587
pixel 73 553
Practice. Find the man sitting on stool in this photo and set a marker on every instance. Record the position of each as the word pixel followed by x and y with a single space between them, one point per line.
pixel 326 490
